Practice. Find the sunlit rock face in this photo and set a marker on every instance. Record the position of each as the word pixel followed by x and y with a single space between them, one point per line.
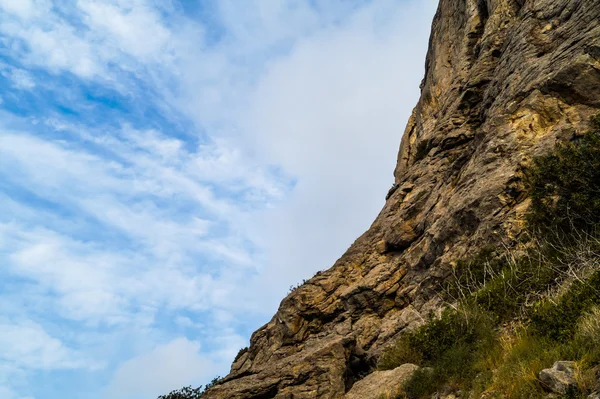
pixel 504 80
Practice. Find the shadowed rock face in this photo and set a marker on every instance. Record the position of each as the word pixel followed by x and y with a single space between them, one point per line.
pixel 504 80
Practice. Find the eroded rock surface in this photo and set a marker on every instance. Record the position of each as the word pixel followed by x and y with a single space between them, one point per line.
pixel 385 384
pixel 504 80
pixel 560 377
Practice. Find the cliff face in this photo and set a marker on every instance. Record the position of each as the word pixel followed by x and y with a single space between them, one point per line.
pixel 504 80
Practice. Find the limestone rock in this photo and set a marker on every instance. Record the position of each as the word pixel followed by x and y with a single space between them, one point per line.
pixel 504 80
pixel 382 384
pixel 399 236
pixel 559 378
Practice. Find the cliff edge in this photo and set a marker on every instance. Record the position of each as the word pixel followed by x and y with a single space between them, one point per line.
pixel 504 80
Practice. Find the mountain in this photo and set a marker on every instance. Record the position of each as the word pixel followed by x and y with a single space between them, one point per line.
pixel 504 81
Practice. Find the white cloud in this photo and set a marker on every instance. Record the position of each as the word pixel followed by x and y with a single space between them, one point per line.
pixel 331 113
pixel 26 345
pixel 133 28
pixel 118 36
pixel 167 367
pixel 21 79
pixel 24 9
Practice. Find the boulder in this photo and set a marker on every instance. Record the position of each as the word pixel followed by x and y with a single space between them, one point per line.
pixel 382 384
pixel 559 378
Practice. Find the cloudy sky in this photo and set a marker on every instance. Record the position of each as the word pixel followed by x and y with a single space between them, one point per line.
pixel 168 168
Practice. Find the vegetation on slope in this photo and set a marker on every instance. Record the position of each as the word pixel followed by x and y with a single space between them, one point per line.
pixel 189 392
pixel 516 314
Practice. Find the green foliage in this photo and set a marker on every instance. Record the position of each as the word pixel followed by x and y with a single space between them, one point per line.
pixel 502 284
pixel 454 329
pixel 525 355
pixel 189 392
pixel 587 335
pixel 213 382
pixel 431 342
pixel 564 186
pixel 470 274
pixel 184 393
pixel 401 352
pixel 448 347
pixel 508 291
pixel 240 353
pixel 295 287
pixel 558 319
pixel 422 384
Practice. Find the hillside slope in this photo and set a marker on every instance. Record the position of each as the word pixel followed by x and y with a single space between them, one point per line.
pixel 504 80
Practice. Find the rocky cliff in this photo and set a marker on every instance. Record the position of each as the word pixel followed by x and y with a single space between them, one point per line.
pixel 504 80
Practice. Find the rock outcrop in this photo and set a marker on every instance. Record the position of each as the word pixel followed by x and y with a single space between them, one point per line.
pixel 560 377
pixel 382 384
pixel 504 80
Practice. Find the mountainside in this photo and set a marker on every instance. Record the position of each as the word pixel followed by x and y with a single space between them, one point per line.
pixel 504 80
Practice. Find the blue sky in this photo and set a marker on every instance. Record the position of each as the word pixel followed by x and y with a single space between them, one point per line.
pixel 168 169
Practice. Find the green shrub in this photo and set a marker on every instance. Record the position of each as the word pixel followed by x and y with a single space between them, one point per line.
pixel 189 392
pixel 558 320
pixel 467 326
pixel 184 393
pixel 506 293
pixel 564 187
pixel 422 384
pixel 401 352
pixel 501 284
pixel 448 347
pixel 240 353
pixel 470 274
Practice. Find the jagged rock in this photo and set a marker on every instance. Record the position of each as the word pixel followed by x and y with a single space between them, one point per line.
pixel 382 384
pixel 559 378
pixel 504 79
pixel 399 236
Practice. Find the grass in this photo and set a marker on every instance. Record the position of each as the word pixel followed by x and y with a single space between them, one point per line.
pixel 557 319
pixel 449 347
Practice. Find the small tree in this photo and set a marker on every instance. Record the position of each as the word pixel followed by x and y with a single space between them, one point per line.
pixel 184 393
pixel 189 392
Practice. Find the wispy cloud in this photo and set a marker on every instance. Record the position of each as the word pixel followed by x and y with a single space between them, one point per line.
pixel 175 363
pixel 168 169
pixel 25 344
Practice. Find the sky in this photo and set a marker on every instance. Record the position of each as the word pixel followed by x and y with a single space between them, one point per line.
pixel 169 168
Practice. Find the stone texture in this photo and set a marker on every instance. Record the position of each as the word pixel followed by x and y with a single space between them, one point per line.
pixel 382 384
pixel 559 378
pixel 504 80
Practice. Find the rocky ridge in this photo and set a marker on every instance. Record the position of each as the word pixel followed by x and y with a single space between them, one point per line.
pixel 504 80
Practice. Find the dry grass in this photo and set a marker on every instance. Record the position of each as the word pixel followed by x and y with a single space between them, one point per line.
pixel 588 328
